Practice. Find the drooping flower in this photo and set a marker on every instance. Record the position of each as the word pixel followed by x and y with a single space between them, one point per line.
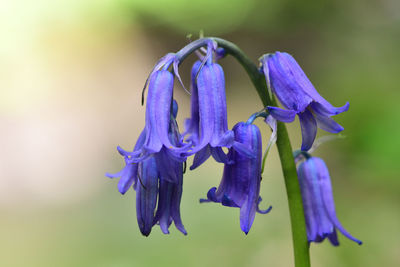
pixel 319 207
pixel 297 94
pixel 240 184
pixel 170 184
pixel 208 126
pixel 158 176
pixel 158 115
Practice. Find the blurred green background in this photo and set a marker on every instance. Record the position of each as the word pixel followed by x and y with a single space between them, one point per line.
pixel 71 74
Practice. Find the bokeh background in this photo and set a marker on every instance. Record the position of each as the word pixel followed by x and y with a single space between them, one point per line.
pixel 71 74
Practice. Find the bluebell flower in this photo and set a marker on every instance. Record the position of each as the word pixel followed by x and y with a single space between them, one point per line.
pixel 208 126
pixel 158 115
pixel 319 207
pixel 171 181
pixel 297 94
pixel 158 176
pixel 154 184
pixel 240 184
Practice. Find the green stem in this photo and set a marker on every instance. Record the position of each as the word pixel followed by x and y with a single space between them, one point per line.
pixel 300 243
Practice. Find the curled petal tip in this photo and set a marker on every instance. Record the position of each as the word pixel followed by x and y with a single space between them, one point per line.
pixel 109 175
pixel 345 108
pixel 264 211
pixel 122 151
pixel 260 210
pixel 284 115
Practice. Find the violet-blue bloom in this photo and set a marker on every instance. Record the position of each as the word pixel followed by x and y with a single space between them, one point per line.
pixel 240 184
pixel 160 176
pixel 171 181
pixel 319 207
pixel 297 94
pixel 154 183
pixel 208 126
pixel 158 115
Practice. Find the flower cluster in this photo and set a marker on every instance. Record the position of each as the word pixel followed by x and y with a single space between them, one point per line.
pixel 155 167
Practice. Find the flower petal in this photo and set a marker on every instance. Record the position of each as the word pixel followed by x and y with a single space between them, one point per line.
pixel 326 109
pixel 176 201
pixel 244 150
pixel 283 115
pixel 298 75
pixel 224 140
pixel 308 129
pixel 129 173
pixel 219 155
pixel 327 197
pixel 228 202
pixel 247 215
pixel 128 177
pixel 164 205
pixel 328 124
pixel 211 195
pixel 333 238
pixel 165 166
pixel 201 157
pixel 146 195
